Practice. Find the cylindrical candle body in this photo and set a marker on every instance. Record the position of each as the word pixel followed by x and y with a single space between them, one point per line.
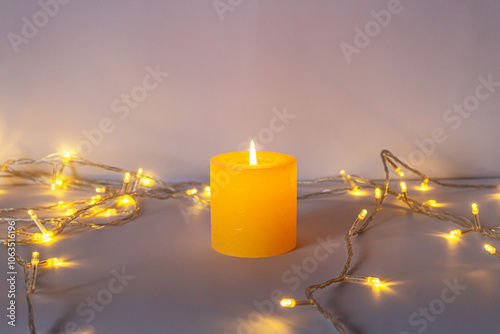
pixel 253 207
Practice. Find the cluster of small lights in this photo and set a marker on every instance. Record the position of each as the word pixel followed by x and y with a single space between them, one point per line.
pixel 116 202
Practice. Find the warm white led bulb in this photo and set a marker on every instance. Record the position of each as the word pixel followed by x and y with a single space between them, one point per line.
pixel 373 281
pixel 147 182
pixel 191 191
pixel 356 191
pixel 425 184
pixel 125 200
pixel 45 234
pixel 288 302
pixel 490 249
pixel 52 262
pixel 475 209
pixel 34 258
pixel 431 202
pixel 362 214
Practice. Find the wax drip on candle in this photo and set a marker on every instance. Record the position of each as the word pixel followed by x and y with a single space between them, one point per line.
pixel 253 155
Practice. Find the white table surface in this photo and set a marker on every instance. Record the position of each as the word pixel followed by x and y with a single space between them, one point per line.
pixel 181 285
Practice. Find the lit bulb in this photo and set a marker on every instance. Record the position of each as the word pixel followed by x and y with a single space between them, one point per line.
pixel 126 177
pixel 95 199
pixel 52 262
pixel 33 270
pixel 110 212
pixel 475 209
pixel 362 214
pixel 125 200
pixel 425 184
pixel 490 249
pixel 43 237
pixel 39 224
pixel 373 281
pixel 58 183
pixel 400 172
pixel 191 191
pixel 46 237
pixel 431 202
pixel 253 154
pixel 403 187
pixel 207 191
pixel 137 182
pixel 100 189
pixel 70 212
pixel 288 302
pixel 355 191
pixel 34 258
pixel 378 193
pixel 344 178
pixel 360 217
pixel 456 233
pixel 147 182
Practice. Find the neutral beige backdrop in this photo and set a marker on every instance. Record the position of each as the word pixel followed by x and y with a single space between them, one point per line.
pixel 351 79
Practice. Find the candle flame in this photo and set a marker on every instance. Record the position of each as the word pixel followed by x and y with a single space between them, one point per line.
pixel 253 154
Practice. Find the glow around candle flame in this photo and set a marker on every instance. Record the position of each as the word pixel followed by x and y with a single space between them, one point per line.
pixel 253 154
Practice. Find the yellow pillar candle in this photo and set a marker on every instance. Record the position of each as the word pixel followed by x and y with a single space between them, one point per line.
pixel 253 203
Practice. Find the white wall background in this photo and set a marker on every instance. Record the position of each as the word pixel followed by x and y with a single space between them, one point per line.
pixel 229 70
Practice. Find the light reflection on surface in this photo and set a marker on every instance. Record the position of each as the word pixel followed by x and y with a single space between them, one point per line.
pixel 421 188
pixel 357 192
pixel 273 325
pixel 385 287
pixel 453 241
pixel 62 263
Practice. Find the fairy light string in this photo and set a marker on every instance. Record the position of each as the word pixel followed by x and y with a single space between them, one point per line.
pixel 430 210
pixel 114 202
pixel 114 205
